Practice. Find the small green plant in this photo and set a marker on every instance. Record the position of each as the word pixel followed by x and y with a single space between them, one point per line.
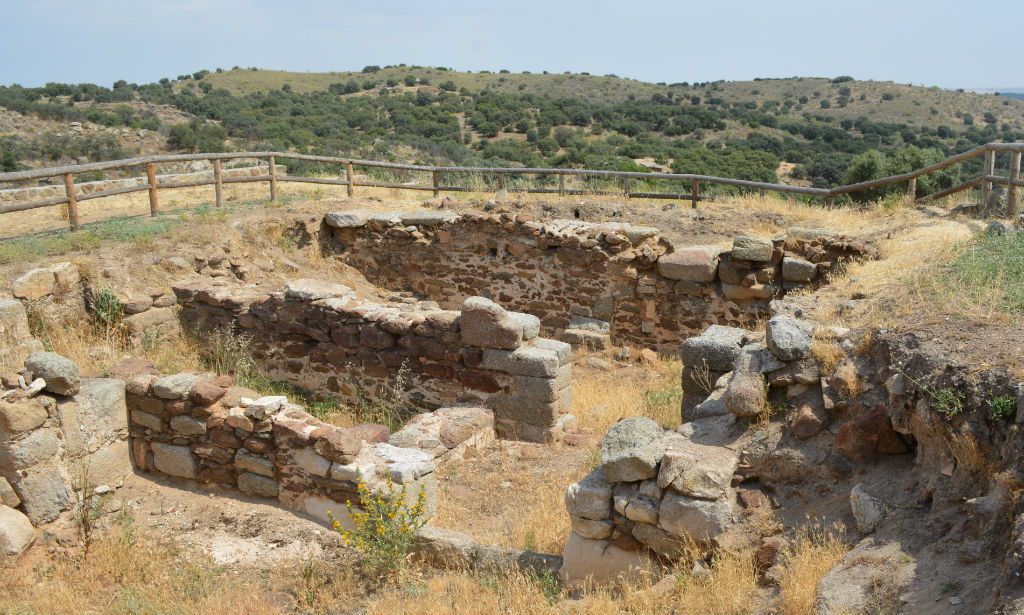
pixel 385 528
pixel 107 309
pixel 947 402
pixel 126 522
pixel 1003 407
pixel 225 352
pixel 549 584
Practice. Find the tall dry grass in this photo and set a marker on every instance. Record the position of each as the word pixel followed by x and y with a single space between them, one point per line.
pixel 815 550
pixel 117 576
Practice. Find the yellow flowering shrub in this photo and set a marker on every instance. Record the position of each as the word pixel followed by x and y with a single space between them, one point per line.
pixel 385 527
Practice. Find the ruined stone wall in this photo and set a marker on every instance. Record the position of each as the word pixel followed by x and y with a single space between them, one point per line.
pixel 636 284
pixel 59 434
pixel 321 337
pixel 201 428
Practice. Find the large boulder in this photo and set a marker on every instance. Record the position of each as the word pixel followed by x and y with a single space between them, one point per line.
pixel 44 492
pixel 591 497
pixel 632 449
pixel 597 561
pixel 353 218
pixel 715 349
pixel 851 586
pixel 686 517
pixel 175 460
pixel 696 470
pixel 34 284
pixel 745 395
pixel 752 249
pixel 788 339
pixel 486 324
pixel 22 415
pixel 692 263
pixel 869 434
pixel 59 372
pixel 16 532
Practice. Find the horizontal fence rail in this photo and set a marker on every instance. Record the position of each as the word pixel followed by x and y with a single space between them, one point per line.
pixel 1012 181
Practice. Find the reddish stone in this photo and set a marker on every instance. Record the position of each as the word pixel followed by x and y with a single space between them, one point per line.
pixel 216 419
pixel 223 476
pixel 479 382
pixel 225 381
pixel 213 453
pixel 341 445
pixel 226 439
pixel 648 356
pixel 174 408
pixel 258 445
pixel 205 394
pixel 751 498
pixel 292 431
pixel 868 435
pixel 371 433
pixel 769 551
pixel 139 449
pixel 807 422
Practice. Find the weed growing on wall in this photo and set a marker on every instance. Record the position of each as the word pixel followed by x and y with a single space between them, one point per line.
pixel 385 528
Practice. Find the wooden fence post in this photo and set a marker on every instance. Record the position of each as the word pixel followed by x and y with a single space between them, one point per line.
pixel 437 181
pixel 69 187
pixel 764 193
pixel 561 184
pixel 831 202
pixel 1011 190
pixel 350 176
pixel 986 186
pixel 696 193
pixel 273 180
pixel 154 202
pixel 501 181
pixel 218 181
pixel 627 187
pixel 912 189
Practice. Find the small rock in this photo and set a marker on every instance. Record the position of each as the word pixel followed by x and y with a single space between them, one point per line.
pixel 868 511
pixel 598 363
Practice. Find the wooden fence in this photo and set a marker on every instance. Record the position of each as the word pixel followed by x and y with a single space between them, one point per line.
pixel 153 185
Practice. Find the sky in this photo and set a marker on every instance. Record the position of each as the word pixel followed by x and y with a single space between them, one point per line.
pixel 940 42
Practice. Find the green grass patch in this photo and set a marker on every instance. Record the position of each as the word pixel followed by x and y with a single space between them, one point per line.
pixel 126 230
pixel 989 270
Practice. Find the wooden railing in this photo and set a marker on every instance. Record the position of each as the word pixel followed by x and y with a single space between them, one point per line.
pixel 153 185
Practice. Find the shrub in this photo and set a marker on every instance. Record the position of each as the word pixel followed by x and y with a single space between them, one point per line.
pixel 384 531
pixel 410 80
pixel 372 68
pixel 1002 407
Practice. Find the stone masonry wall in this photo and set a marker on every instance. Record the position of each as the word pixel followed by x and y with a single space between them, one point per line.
pixel 58 434
pixel 201 428
pixel 571 273
pixel 321 337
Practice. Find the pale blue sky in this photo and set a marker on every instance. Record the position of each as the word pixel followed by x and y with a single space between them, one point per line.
pixel 942 42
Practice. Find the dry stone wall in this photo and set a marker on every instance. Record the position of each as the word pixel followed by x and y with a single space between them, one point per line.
pixel 585 278
pixel 59 433
pixel 198 427
pixel 321 337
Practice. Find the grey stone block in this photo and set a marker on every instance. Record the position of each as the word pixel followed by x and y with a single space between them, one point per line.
pixel 716 348
pixel 254 484
pixel 175 460
pixel 527 360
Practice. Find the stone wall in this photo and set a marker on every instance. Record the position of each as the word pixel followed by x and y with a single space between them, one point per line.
pixel 321 337
pixel 59 434
pixel 38 193
pixel 199 427
pixel 654 491
pixel 591 279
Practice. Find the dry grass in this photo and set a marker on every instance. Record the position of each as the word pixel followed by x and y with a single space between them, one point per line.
pixel 117 577
pixel 527 513
pixel 815 551
pixel 600 398
pixel 826 350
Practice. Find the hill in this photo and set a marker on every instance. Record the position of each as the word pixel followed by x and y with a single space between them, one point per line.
pixel 820 131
